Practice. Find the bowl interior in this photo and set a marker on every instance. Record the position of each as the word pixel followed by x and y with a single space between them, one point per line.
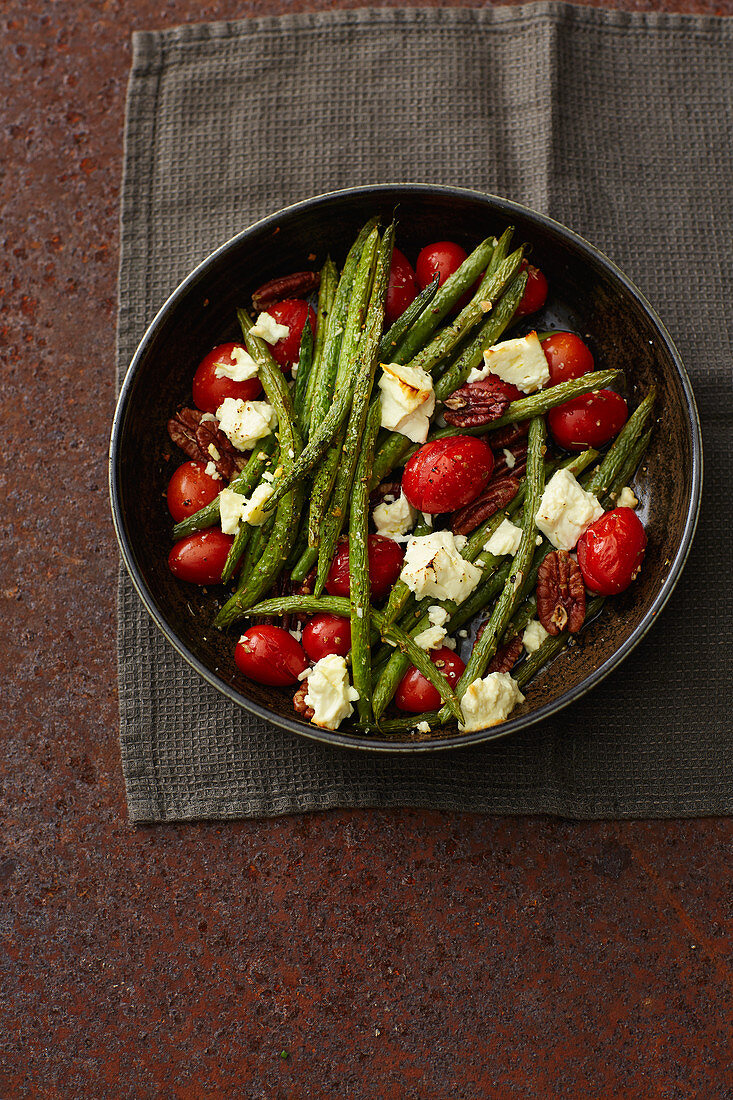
pixel 586 295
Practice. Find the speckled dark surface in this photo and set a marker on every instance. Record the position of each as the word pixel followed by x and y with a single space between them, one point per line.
pixel 390 955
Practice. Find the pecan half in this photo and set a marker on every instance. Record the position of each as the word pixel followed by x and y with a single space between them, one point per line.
pixel 297 285
pixel 495 496
pixel 560 594
pixel 504 437
pixel 196 432
pixel 506 656
pixel 301 707
pixel 476 403
pixel 385 489
pixel 502 467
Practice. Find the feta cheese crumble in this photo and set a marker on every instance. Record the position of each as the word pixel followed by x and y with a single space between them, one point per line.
pixel 212 471
pixel 408 400
pixel 253 511
pixel 268 329
pixel 505 539
pixel 566 510
pixel 437 615
pixel 396 519
pixel 243 368
pixel 434 567
pixel 230 511
pixel 627 498
pixel 431 638
pixel 489 701
pixel 521 362
pixel 534 635
pixel 423 727
pixel 244 422
pixel 509 458
pixel 329 692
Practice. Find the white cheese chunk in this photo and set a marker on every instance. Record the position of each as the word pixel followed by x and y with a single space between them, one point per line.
pixel 489 701
pixel 434 567
pixel 396 519
pixel 212 471
pixel 505 539
pixel 437 615
pixel 534 635
pixel 268 329
pixel 244 422
pixel 253 511
pixel 566 510
pixel 510 458
pixel 230 511
pixel 329 692
pixel 431 638
pixel 521 362
pixel 407 400
pixel 423 727
pixel 461 541
pixel 243 368
pixel 627 498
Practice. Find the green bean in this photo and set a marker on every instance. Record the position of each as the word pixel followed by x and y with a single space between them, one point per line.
pixel 255 546
pixel 389 345
pixel 243 484
pixel 447 296
pixel 304 564
pixel 402 725
pixel 276 390
pixel 326 429
pixel 628 470
pixel 305 366
pixel 368 346
pixel 322 489
pixel 359 571
pixel 242 541
pixel 421 660
pixel 316 382
pixel 621 447
pixel 485 647
pixel 551 647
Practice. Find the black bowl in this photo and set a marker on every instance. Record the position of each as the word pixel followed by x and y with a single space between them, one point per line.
pixel 588 294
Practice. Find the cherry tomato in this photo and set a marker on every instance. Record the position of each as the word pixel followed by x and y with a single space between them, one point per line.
pixel 443 257
pixel 385 562
pixel 588 421
pixel 447 473
pixel 535 292
pixel 567 357
pixel 191 488
pixel 327 634
pixel 292 312
pixel 416 694
pixel 209 390
pixel 402 288
pixel 611 551
pixel 200 558
pixel 269 655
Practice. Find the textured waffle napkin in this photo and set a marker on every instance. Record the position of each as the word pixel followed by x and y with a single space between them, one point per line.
pixel 616 124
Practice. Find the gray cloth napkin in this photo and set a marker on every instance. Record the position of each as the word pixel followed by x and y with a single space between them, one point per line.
pixel 618 125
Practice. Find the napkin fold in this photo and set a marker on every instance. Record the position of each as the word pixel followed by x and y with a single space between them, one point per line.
pixel 618 125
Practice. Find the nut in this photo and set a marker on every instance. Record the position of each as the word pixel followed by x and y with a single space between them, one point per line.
pixel 502 468
pixel 504 437
pixel 196 432
pixel 506 656
pixel 476 403
pixel 560 594
pixel 301 707
pixel 297 285
pixel 384 489
pixel 495 496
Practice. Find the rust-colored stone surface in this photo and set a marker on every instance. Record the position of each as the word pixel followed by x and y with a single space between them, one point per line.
pixel 386 955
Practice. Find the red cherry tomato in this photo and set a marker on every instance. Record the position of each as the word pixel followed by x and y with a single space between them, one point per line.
pixel 447 473
pixel 385 562
pixel 269 655
pixel 209 390
pixel 200 558
pixel 611 551
pixel 293 312
pixel 567 357
pixel 535 292
pixel 327 634
pixel 443 257
pixel 416 694
pixel 588 421
pixel 402 288
pixel 191 488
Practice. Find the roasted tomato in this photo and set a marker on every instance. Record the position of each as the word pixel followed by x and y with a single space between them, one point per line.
pixel 325 634
pixel 293 312
pixel 535 292
pixel 190 489
pixel 611 551
pixel 567 357
pixel 209 389
pixel 402 287
pixel 200 558
pixel 588 421
pixel 270 655
pixel 447 474
pixel 385 563
pixel 416 694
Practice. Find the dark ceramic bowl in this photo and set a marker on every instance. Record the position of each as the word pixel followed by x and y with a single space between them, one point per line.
pixel 588 294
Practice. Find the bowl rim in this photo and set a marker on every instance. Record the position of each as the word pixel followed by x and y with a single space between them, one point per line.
pixel 458 740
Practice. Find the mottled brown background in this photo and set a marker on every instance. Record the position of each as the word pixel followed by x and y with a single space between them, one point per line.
pixel 363 954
